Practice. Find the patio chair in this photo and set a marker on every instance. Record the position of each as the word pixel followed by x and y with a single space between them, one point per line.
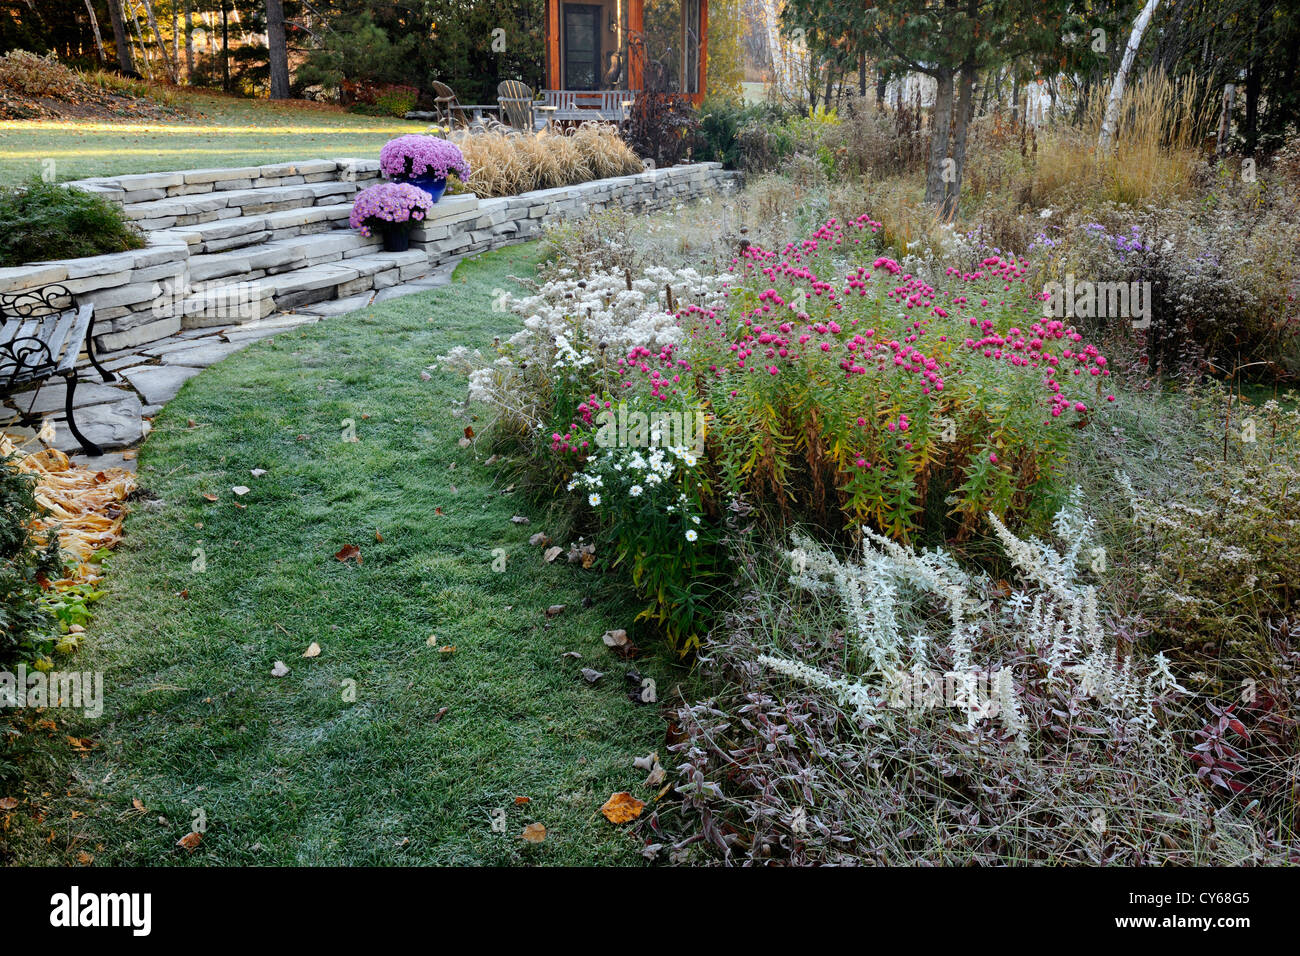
pixel 448 105
pixel 516 99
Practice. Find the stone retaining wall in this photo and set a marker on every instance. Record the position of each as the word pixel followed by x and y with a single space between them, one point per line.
pixel 146 294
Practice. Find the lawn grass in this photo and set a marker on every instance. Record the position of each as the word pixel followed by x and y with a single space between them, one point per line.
pixel 222 131
pixel 286 770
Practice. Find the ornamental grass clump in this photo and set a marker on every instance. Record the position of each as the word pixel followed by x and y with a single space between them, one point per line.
pixel 387 206
pixel 422 157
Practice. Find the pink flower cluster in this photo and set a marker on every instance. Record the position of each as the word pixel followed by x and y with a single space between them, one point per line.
pixel 388 202
pixel 414 156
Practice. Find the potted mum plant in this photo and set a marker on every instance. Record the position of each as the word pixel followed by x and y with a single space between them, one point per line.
pixel 423 161
pixel 391 209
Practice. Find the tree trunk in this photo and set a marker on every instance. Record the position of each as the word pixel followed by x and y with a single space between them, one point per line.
pixel 940 129
pixel 279 51
pixel 189 42
pixel 162 46
pixel 1107 137
pixel 862 75
pixel 1225 120
pixel 225 49
pixel 120 38
pixel 965 102
pixel 99 40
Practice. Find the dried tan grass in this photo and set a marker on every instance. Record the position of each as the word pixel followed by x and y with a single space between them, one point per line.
pixel 506 163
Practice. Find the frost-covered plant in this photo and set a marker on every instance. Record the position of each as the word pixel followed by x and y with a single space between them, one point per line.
pixel 577 338
pixel 1054 623
pixel 1226 558
pixel 896 708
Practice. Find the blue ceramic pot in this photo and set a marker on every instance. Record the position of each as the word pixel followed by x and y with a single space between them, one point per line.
pixel 434 187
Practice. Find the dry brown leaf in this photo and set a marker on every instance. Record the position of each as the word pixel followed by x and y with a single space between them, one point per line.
pixel 348 552
pixel 8 803
pixel 210 497
pixel 534 833
pixel 551 554
pixel 614 638
pixel 378 536
pixel 85 859
pixel 190 841
pixel 313 650
pixel 554 610
pixel 622 807
pixel 519 801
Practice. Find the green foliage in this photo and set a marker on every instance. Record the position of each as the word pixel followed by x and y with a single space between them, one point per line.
pixel 24 563
pixel 356 48
pixel 41 220
pixel 729 130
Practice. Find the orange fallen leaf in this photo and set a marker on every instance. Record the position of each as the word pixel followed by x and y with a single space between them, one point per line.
pixel 210 497
pixel 190 841
pixel 136 802
pixel 8 803
pixel 469 432
pixel 85 859
pixel 348 552
pixel 622 807
pixel 378 536
pixel 534 833
pixel 519 801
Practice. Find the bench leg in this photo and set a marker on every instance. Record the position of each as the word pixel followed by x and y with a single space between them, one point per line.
pixel 90 353
pixel 88 446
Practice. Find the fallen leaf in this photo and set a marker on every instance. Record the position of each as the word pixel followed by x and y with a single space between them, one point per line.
pixel 138 804
pixel 614 638
pixel 574 654
pixel 590 675
pixel 209 497
pixel 279 669
pixel 258 472
pixel 622 807
pixel 469 432
pixel 519 519
pixel 534 833
pixel 464 443
pixel 348 552
pixel 554 610
pixel 442 712
pixel 85 859
pixel 240 490
pixel 313 650
pixel 520 801
pixel 8 803
pixel 432 640
pixel 540 538
pixel 190 841
pixel 447 649
pixel 651 850
pixel 378 536
pixel 425 376
pixel 551 554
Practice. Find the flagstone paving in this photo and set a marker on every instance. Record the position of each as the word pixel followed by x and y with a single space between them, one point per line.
pixel 117 415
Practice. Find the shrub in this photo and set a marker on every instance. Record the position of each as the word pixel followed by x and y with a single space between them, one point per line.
pixel 41 220
pixel 26 561
pixel 30 75
pixel 663 127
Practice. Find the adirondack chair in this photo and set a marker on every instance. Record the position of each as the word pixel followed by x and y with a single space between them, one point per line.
pixel 516 99
pixel 449 105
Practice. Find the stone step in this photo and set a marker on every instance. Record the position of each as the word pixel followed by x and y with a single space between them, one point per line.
pixel 181 211
pixel 273 256
pixel 249 300
pixel 242 231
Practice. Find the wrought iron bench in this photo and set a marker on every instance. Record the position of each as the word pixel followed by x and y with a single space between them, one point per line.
pixel 41 335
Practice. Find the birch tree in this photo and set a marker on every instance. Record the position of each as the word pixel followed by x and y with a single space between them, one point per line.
pixel 1106 140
